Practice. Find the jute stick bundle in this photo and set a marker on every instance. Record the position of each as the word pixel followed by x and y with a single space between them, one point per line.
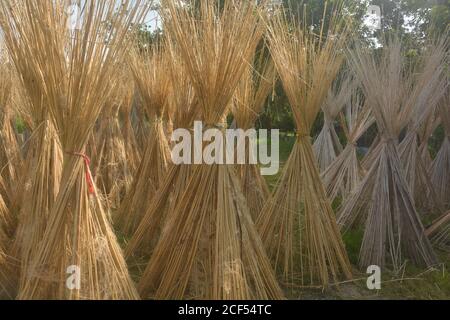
pixel 327 145
pixel 9 149
pixel 440 170
pixel 8 285
pixel 185 110
pixel 43 160
pixel 11 162
pixel 112 162
pixel 383 203
pixel 126 110
pixel 7 225
pixel 345 173
pixel 209 247
pixel 428 90
pixel 298 225
pixel 151 74
pixel 439 232
pixel 74 70
pixel 256 85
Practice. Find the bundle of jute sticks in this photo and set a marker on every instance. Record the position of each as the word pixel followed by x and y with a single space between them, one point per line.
pixel 92 205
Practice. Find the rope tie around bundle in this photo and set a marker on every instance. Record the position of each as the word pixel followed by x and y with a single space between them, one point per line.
pixel 303 135
pixel 87 164
pixel 328 121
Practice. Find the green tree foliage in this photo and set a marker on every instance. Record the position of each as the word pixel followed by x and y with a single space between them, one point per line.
pixel 413 20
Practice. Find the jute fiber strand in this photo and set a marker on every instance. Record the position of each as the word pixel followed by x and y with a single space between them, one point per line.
pixel 428 89
pixel 297 225
pixel 345 173
pixel 150 72
pixel 185 110
pixel 256 85
pixel 43 158
pixel 383 203
pixel 440 169
pixel 327 145
pixel 74 69
pixel 209 248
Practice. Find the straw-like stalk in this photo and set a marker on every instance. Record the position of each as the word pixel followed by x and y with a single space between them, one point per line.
pixel 72 71
pixel 425 133
pixel 209 247
pixel 345 173
pixel 185 110
pixel 140 124
pixel 42 168
pixel 297 225
pixel 327 145
pixel 439 232
pixel 151 74
pixel 113 172
pixel 372 153
pixel 9 150
pixel 252 93
pixel 41 187
pixel 383 203
pixel 440 169
pixel 428 90
pixel 10 155
pixel 8 287
pixel 7 283
pixel 128 131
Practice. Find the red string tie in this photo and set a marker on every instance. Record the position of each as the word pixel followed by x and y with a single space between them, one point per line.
pixel 87 164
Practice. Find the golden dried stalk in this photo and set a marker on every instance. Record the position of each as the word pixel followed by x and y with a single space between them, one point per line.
pixel 8 281
pixel 185 110
pixel 151 74
pixel 249 101
pixel 112 163
pixel 298 225
pixel 7 223
pixel 41 187
pixel 10 155
pixel 72 73
pixel 128 131
pixel 209 247
pixel 39 182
